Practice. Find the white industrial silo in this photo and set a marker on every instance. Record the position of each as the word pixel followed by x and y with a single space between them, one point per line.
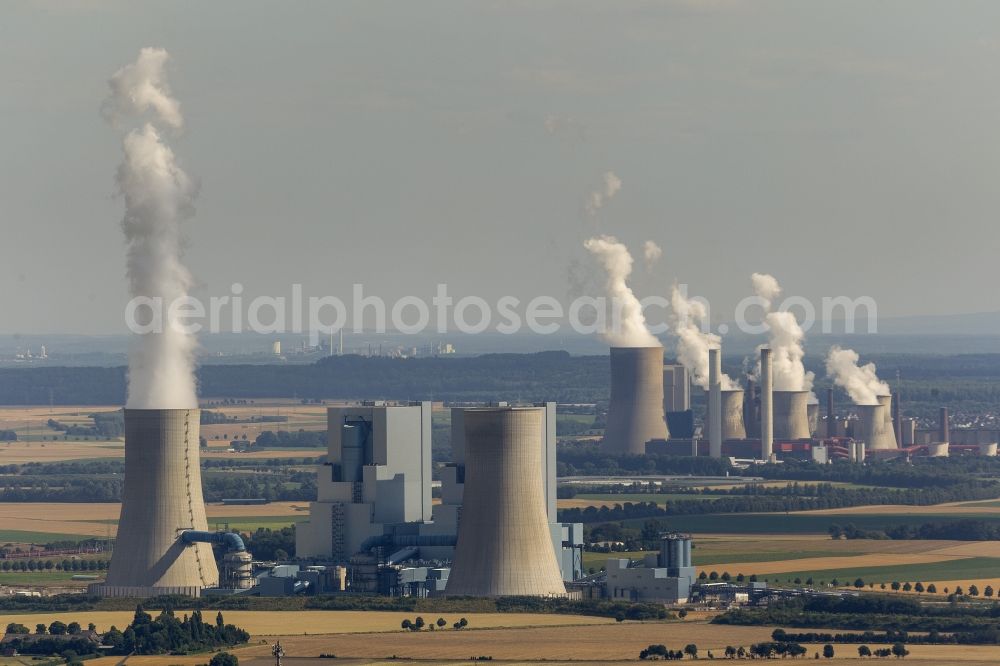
pixel 504 546
pixel 635 411
pixel 162 498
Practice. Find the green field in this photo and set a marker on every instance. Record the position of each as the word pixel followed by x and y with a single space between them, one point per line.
pixel 796 523
pixel 20 536
pixel 37 577
pixel 986 568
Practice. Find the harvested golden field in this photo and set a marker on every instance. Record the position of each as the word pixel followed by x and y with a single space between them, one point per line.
pixel 87 519
pixel 824 563
pixel 25 452
pixel 791 544
pixel 300 623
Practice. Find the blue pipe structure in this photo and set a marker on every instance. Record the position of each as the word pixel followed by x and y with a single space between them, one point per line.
pixel 230 540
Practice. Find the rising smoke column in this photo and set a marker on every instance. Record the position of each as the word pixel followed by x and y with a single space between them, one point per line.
pixel 158 197
pixel 651 253
pixel 786 336
pixel 688 317
pixel 606 192
pixel 631 330
pixel 860 381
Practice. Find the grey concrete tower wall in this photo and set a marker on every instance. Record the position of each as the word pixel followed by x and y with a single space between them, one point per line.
pixel 766 405
pixel 504 547
pixel 676 388
pixel 886 402
pixel 714 414
pixel 876 432
pixel 732 415
pixel 162 497
pixel 791 419
pixel 635 412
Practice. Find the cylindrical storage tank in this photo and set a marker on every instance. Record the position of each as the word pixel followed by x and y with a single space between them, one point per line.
pixel 687 553
pixel 876 431
pixel 635 412
pixel 161 497
pixel 766 405
pixel 988 449
pixel 239 570
pixel 504 547
pixel 791 419
pixel 733 426
pixel 812 415
pixel 938 449
pixel 886 401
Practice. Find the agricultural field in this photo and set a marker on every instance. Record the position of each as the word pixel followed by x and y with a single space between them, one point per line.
pixel 600 643
pixel 46 522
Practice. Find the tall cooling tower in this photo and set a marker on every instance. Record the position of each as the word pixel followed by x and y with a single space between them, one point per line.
pixel 504 546
pixel 886 402
pixel 791 420
pixel 162 497
pixel 876 431
pixel 635 413
pixel 733 426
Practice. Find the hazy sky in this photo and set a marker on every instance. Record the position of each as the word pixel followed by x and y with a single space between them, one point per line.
pixel 849 148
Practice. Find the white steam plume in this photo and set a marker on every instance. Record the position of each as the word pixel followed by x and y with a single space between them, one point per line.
pixel 786 336
pixel 612 184
pixel 158 197
pixel 688 316
pixel 651 253
pixel 860 381
pixel 631 330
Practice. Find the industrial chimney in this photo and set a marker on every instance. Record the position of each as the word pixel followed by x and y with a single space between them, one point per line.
pixel 791 420
pixel 504 546
pixel 635 413
pixel 876 430
pixel 831 427
pixel 714 414
pixel 766 405
pixel 944 434
pixel 161 499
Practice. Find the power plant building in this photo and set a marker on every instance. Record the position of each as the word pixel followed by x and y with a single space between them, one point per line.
pixel 377 477
pixel 666 576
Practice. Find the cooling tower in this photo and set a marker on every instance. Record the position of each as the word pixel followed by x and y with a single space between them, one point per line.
pixel 766 405
pixel 791 420
pixel 732 415
pixel 886 401
pixel 876 432
pixel 635 413
pixel 988 449
pixel 162 497
pixel 812 415
pixel 504 546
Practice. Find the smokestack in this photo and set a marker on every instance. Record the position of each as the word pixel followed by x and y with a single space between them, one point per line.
pixel 733 426
pixel 749 411
pixel 791 417
pixel 944 434
pixel 876 429
pixel 897 421
pixel 715 403
pixel 831 428
pixel 635 413
pixel 766 405
pixel 162 497
pixel 504 546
